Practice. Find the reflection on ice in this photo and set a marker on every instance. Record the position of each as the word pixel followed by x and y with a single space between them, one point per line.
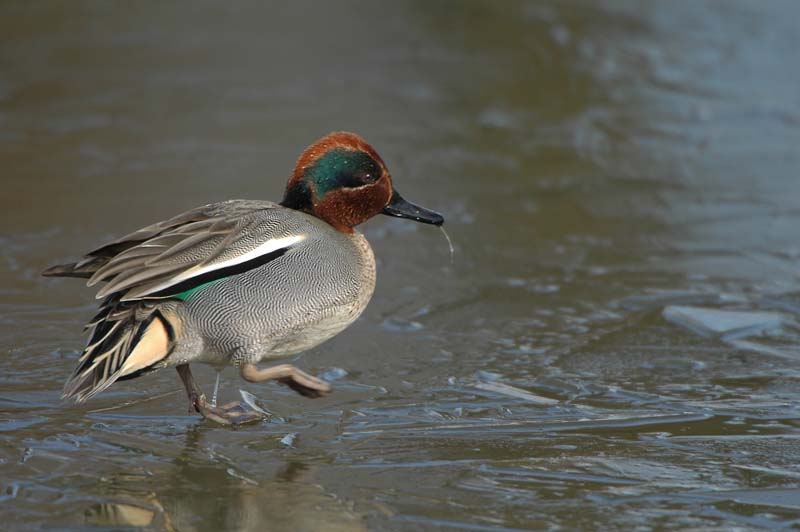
pixel 120 515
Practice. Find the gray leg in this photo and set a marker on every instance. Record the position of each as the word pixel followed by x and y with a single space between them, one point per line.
pixel 296 379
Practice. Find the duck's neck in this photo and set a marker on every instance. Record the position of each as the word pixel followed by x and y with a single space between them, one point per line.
pixel 298 197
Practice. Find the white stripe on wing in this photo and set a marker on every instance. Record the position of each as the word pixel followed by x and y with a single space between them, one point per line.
pixel 267 247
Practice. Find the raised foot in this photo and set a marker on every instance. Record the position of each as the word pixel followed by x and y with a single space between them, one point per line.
pixel 234 413
pixel 296 379
pixel 307 386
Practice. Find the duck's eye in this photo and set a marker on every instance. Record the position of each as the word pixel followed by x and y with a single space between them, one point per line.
pixel 371 172
pixel 366 178
pixel 359 179
pixel 354 179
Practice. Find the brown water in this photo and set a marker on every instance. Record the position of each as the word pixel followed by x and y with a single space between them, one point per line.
pixel 601 165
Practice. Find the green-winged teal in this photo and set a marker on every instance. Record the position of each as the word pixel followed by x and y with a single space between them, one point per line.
pixel 241 281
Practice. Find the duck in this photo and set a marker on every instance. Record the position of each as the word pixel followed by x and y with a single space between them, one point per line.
pixel 240 282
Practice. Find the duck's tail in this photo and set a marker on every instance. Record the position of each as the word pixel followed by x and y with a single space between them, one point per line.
pixel 83 269
pixel 126 340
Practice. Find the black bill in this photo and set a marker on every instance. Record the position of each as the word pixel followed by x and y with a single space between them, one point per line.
pixel 403 209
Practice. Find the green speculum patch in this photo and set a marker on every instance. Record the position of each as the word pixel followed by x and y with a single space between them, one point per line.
pixel 342 168
pixel 186 294
pixel 184 290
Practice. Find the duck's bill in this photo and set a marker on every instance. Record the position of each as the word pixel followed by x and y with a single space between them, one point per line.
pixel 403 209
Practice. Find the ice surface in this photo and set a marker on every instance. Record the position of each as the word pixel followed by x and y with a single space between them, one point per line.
pixel 728 323
pixel 512 391
pixel 734 326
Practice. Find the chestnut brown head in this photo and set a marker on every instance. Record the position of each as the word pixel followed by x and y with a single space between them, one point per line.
pixel 341 179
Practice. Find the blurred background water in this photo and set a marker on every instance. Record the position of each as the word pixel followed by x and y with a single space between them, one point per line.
pixel 614 348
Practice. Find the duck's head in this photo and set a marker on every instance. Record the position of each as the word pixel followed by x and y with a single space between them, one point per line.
pixel 341 179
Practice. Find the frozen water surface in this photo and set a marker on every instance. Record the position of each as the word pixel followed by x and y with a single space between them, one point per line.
pixel 613 347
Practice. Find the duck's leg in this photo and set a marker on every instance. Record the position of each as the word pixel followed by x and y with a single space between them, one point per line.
pixel 231 414
pixel 296 379
pixel 193 391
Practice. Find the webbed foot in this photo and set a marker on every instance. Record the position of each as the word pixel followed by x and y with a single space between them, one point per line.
pixel 234 413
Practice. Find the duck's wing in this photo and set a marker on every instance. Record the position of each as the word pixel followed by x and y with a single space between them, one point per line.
pixel 194 248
